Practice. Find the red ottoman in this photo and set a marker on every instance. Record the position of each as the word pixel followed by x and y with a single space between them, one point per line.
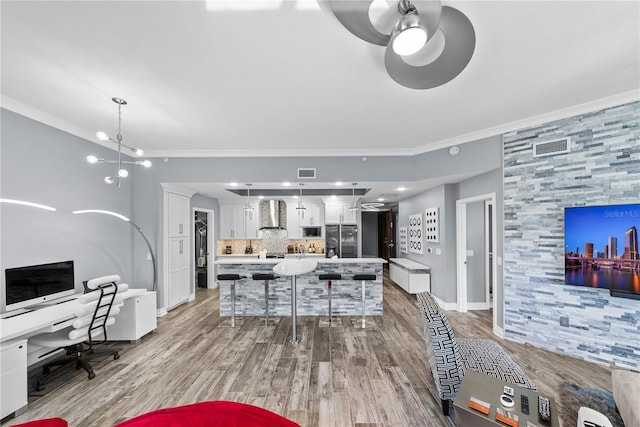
pixel 210 414
pixel 49 422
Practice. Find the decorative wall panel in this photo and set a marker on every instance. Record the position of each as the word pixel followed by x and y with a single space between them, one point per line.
pixel 403 241
pixel 416 234
pixel 431 225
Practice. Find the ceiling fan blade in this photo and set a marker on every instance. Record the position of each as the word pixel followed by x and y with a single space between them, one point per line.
pixel 354 15
pixel 460 42
pixel 429 12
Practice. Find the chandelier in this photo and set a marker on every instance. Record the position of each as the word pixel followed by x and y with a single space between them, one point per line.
pixel 121 172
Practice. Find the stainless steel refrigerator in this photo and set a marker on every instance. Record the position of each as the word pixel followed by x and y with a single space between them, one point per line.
pixel 341 240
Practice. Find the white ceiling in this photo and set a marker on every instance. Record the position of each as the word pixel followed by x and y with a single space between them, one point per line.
pixel 217 81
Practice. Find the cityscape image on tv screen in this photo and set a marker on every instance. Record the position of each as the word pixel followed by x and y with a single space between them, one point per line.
pixel 601 247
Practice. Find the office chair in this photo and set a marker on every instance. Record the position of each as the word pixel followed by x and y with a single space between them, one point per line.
pixel 95 311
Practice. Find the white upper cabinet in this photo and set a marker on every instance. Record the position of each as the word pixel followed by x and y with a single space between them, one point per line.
pixel 293 228
pixel 236 223
pixel 251 222
pixel 339 212
pixel 178 211
pixel 312 216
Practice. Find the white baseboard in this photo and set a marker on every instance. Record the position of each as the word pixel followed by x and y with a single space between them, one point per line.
pixel 478 306
pixel 498 331
pixel 445 305
pixel 161 312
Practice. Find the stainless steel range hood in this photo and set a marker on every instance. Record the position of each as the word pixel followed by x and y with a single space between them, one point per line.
pixel 273 214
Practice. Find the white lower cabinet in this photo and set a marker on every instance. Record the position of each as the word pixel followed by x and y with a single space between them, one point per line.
pixel 137 318
pixel 179 268
pixel 409 275
pixel 13 376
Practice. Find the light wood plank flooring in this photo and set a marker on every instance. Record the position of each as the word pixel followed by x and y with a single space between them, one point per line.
pixel 337 376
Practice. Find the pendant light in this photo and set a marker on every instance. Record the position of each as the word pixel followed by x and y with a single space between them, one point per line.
pixel 353 206
pixel 300 208
pixel 248 209
pixel 120 171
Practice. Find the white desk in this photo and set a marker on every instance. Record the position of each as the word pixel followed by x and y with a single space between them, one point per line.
pixel 46 319
pixel 17 354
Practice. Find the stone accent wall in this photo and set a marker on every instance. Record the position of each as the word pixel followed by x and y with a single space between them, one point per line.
pixel 346 295
pixel 603 167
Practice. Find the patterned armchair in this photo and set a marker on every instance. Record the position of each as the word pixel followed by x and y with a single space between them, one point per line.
pixel 450 357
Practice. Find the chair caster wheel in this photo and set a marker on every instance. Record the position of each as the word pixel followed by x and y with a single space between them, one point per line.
pixel 116 356
pixel 92 375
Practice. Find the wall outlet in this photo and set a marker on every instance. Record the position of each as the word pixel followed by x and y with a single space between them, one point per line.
pixel 564 321
pixel 438 251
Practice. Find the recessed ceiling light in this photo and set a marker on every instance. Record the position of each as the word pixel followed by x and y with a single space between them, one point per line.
pixel 286 184
pixel 338 183
pixel 260 197
pixel 380 199
pixel 401 189
pixel 233 184
pixel 333 196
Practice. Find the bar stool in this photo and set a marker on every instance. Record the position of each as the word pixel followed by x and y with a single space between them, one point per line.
pixel 266 277
pixel 232 278
pixel 329 277
pixel 364 277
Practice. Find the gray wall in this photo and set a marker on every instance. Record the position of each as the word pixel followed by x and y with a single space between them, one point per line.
pixel 61 177
pixel 603 167
pixel 443 266
pixel 477 157
pixel 45 165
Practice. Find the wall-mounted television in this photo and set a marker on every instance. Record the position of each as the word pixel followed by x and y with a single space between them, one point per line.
pixel 36 284
pixel 601 247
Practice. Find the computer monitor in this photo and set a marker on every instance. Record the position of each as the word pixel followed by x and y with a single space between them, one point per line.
pixel 37 284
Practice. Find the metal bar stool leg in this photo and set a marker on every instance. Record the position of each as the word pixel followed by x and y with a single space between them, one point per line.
pixel 266 303
pixel 330 278
pixel 265 277
pixel 232 278
pixel 363 278
pixel 233 303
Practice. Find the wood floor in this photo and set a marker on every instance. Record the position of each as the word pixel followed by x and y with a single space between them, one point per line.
pixel 337 376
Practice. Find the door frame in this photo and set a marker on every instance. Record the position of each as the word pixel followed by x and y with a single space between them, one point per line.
pixel 461 251
pixel 211 269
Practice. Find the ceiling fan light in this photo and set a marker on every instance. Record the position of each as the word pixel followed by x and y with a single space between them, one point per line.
pixel 109 180
pixel 138 151
pixel 409 40
pixel 92 159
pixel 123 173
pixel 146 163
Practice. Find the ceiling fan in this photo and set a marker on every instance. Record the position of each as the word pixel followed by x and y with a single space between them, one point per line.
pixel 428 46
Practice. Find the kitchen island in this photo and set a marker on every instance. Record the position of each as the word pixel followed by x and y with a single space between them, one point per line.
pixel 312 296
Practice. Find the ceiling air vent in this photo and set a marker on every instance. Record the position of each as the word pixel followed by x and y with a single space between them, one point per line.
pixel 550 148
pixel 306 173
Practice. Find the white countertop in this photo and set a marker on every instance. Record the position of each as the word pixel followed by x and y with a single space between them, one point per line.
pixel 409 264
pixel 320 261
pixel 255 256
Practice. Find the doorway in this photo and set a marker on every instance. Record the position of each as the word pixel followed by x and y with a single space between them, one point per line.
pixel 203 267
pixel 386 235
pixel 476 263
